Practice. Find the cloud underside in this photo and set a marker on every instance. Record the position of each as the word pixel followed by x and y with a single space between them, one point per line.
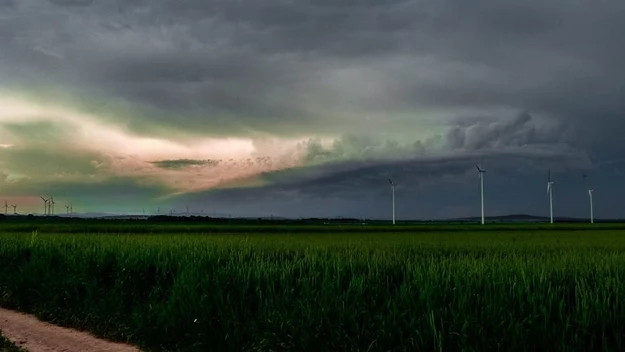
pixel 183 163
pixel 304 98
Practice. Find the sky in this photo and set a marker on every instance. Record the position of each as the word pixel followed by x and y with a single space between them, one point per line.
pixel 307 108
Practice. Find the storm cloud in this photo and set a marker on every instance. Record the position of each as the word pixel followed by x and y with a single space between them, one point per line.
pixel 314 100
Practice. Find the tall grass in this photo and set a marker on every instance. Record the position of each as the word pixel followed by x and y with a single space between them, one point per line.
pixel 312 292
pixel 8 346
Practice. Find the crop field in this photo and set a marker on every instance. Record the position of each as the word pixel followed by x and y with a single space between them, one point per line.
pixel 254 287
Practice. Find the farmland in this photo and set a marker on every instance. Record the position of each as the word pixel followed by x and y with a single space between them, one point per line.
pixel 251 287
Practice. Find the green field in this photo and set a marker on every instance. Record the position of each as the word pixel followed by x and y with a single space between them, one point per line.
pixel 199 287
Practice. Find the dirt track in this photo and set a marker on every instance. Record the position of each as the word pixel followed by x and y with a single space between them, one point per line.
pixel 33 335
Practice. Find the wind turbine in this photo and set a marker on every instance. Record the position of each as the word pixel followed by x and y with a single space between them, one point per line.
pixel 550 192
pixel 14 209
pixel 481 172
pixel 592 215
pixel 52 204
pixel 590 190
pixel 393 191
pixel 45 205
pixel 67 209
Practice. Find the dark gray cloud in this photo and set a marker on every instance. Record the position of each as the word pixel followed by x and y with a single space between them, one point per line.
pixel 282 66
pixel 72 2
pixel 7 4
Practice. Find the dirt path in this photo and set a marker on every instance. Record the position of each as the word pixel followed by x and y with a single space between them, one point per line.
pixel 33 335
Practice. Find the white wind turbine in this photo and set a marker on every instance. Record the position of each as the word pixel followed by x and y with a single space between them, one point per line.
pixel 590 190
pixel 14 209
pixel 67 209
pixel 481 172
pixel 592 215
pixel 393 192
pixel 550 192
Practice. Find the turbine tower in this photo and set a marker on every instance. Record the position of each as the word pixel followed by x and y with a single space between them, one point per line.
pixel 590 190
pixel 550 192
pixel 393 192
pixel 67 209
pixel 14 209
pixel 481 172
pixel 592 215
pixel 52 205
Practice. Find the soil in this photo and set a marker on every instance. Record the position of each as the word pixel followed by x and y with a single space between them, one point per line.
pixel 33 335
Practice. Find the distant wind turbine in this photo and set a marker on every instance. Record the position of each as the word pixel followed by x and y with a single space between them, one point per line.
pixel 550 192
pixel 481 172
pixel 590 190
pixel 14 209
pixel 52 203
pixel 45 205
pixel 393 192
pixel 67 209
pixel 592 215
